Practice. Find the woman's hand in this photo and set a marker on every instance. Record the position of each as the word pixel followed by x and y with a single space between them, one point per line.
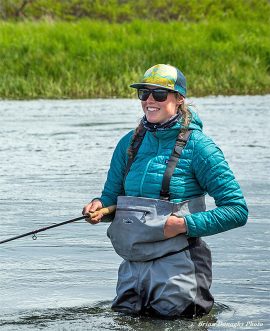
pixel 174 226
pixel 90 208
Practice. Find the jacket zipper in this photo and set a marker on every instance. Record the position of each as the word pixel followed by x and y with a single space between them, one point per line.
pixel 147 166
pixel 143 177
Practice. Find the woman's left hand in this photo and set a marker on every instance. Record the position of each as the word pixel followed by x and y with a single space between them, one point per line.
pixel 174 226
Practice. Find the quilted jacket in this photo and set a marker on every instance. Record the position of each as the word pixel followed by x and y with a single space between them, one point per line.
pixel 201 169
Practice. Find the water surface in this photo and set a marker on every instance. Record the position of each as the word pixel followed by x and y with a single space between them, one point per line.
pixel 54 157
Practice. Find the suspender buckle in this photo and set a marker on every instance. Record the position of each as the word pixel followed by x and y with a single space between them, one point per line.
pixel 179 145
pixel 181 142
pixel 165 195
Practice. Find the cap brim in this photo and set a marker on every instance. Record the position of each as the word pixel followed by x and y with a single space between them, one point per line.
pixel 142 85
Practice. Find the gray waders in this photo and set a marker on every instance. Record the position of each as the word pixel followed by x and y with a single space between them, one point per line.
pixel 167 277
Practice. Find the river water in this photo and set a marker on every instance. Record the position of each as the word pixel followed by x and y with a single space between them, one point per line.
pixel 53 159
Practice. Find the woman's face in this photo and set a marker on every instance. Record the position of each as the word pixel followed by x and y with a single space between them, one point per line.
pixel 160 112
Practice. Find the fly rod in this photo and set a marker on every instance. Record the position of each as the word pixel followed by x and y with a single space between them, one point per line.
pixel 103 211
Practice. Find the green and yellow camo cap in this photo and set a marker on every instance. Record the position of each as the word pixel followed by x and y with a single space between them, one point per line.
pixel 165 76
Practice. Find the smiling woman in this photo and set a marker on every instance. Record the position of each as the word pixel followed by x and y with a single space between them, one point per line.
pixel 159 176
pixel 159 105
pixel 162 93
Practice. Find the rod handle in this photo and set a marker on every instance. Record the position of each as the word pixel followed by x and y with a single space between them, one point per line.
pixel 104 211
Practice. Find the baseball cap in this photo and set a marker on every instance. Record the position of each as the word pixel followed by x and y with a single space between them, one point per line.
pixel 164 76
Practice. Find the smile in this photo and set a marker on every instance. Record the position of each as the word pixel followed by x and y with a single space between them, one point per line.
pixel 152 109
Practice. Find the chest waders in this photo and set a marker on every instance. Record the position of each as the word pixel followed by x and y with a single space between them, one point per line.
pixel 167 277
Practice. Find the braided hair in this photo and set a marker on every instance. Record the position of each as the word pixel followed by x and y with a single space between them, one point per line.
pixel 136 133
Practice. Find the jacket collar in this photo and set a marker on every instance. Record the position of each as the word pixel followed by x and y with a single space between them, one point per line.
pixel 153 127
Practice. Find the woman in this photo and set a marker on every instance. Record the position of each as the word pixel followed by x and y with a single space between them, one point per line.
pixel 159 175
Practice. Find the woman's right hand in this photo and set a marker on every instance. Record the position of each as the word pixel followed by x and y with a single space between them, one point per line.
pixel 91 208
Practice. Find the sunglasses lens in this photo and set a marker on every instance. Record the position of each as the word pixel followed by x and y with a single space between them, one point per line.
pixel 160 95
pixel 143 94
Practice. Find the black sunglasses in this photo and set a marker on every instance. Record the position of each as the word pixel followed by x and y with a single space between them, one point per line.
pixel 158 94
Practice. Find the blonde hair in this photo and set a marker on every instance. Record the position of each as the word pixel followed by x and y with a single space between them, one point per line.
pixel 185 118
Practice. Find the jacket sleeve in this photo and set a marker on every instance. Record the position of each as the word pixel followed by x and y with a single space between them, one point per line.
pixel 216 178
pixel 114 184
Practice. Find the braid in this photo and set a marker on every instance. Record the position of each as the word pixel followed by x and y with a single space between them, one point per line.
pixel 185 119
pixel 137 131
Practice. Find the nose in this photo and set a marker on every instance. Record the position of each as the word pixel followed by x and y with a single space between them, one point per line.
pixel 150 98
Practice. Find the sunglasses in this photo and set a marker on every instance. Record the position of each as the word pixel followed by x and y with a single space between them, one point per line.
pixel 159 95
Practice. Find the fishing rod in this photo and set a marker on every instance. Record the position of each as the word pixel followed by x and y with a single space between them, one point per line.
pixel 104 211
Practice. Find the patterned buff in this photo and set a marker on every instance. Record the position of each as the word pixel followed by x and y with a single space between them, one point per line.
pixel 159 127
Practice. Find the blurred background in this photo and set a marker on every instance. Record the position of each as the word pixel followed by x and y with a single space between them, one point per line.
pixel 96 48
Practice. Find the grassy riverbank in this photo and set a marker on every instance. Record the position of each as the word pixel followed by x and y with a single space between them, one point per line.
pixel 86 59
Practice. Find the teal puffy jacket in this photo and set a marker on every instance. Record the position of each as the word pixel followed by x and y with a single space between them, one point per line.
pixel 201 169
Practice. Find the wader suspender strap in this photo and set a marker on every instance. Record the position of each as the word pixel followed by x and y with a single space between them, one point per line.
pixel 172 162
pixel 137 145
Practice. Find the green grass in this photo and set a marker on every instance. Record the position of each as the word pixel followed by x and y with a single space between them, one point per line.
pixel 128 10
pixel 91 59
